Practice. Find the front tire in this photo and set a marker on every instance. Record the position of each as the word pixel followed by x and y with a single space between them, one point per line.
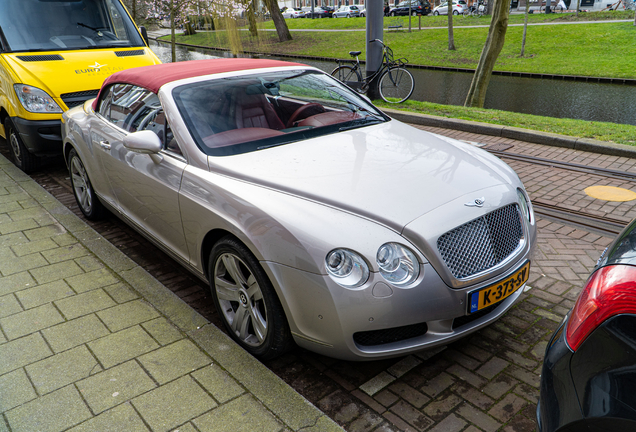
pixel 436 13
pixel 21 156
pixel 396 85
pixel 247 301
pixel 392 14
pixel 346 73
pixel 89 204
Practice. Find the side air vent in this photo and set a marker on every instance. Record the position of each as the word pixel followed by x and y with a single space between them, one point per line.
pixel 129 53
pixel 39 58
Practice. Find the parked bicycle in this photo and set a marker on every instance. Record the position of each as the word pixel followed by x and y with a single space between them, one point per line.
pixel 395 82
pixel 476 10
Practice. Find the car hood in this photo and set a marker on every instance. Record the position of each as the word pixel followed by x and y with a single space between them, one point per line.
pixel 391 173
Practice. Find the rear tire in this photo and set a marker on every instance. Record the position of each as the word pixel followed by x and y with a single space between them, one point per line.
pixel 455 12
pixel 21 156
pixel 392 14
pixel 396 85
pixel 88 203
pixel 247 301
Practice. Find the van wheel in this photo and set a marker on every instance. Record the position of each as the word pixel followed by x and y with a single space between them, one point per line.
pixel 22 158
pixel 246 301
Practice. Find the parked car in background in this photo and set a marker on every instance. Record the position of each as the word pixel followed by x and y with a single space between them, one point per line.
pixel 293 13
pixel 459 6
pixel 363 11
pixel 422 7
pixel 347 12
pixel 271 181
pixel 589 368
pixel 319 12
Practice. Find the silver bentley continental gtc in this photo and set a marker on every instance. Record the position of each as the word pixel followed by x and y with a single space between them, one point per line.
pixel 315 217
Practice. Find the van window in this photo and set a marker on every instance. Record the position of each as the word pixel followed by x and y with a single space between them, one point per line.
pixel 55 25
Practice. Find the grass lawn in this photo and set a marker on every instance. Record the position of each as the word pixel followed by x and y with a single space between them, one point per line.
pixel 604 49
pixel 604 131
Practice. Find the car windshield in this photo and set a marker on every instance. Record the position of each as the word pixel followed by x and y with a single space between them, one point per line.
pixel 54 25
pixel 234 115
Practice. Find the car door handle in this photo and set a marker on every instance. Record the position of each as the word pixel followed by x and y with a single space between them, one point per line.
pixel 105 145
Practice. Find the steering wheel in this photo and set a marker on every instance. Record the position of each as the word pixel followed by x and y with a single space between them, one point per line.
pixel 302 113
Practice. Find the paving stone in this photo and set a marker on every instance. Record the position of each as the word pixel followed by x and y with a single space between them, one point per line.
pixel 525 376
pixel 44 232
pixel 466 375
pixel 163 332
pixel 438 384
pixel 120 293
pixel 367 421
pixel 369 401
pixel 409 394
pixel 218 383
pixel 397 421
pixel 386 398
pixel 54 412
pixel 403 366
pixel 73 333
pixel 492 367
pixel 89 263
pixel 480 419
pixel 28 248
pixel 114 386
pixel 91 280
pixel 505 409
pixel 52 272
pixel 225 417
pixel 65 239
pixel 30 321
pixel 470 393
pixel 127 314
pixel 9 305
pixel 452 423
pixel 175 403
pixel 347 413
pixel 173 361
pixel 122 346
pixel 12 264
pixel 16 282
pixel 15 389
pixel 84 304
pixel 411 415
pixel 41 294
pixel 62 369
pixel 65 253
pixel 120 419
pixel 377 383
pixel 500 386
pixel 442 405
pixel 11 227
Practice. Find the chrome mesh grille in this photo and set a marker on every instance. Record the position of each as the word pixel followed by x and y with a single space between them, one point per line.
pixel 481 243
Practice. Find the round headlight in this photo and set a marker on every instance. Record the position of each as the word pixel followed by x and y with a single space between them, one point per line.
pixel 347 268
pixel 523 205
pixel 398 265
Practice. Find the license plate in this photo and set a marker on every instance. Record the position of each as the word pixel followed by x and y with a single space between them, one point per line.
pixel 495 293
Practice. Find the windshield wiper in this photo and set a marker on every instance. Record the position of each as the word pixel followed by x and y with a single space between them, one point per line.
pixel 4 45
pixel 365 121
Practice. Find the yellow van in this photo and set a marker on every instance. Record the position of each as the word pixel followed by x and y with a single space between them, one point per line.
pixel 54 55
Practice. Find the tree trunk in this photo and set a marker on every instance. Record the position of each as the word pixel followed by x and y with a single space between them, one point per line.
pixel 173 39
pixel 492 48
pixel 134 10
pixel 578 5
pixel 251 18
pixel 525 28
pixel 451 38
pixel 188 28
pixel 281 26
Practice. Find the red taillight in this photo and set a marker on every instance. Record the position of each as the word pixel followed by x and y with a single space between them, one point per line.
pixel 610 291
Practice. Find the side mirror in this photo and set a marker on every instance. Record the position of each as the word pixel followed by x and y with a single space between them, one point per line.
pixel 144 34
pixel 145 142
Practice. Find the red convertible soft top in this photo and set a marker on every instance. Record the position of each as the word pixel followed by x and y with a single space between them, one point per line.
pixel 155 76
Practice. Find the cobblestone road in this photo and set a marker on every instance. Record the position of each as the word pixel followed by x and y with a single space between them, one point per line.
pixel 486 382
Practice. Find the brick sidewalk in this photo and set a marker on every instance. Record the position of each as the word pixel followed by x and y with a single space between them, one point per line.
pixel 90 342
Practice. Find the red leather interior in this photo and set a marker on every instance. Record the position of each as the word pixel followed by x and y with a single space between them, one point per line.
pixel 237 136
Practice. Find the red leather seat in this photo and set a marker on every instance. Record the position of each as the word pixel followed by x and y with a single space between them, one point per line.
pixel 254 110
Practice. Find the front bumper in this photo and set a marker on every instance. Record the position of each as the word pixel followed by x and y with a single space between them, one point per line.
pixel 378 320
pixel 40 137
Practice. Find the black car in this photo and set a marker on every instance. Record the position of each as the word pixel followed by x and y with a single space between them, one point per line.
pixel 319 12
pixel 589 370
pixel 421 7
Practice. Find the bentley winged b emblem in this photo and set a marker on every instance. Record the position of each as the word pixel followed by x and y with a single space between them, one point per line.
pixel 479 202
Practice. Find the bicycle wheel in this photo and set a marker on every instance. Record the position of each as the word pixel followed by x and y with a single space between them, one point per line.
pixel 396 85
pixel 346 73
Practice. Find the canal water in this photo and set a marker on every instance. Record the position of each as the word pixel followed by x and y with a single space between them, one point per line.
pixel 553 98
